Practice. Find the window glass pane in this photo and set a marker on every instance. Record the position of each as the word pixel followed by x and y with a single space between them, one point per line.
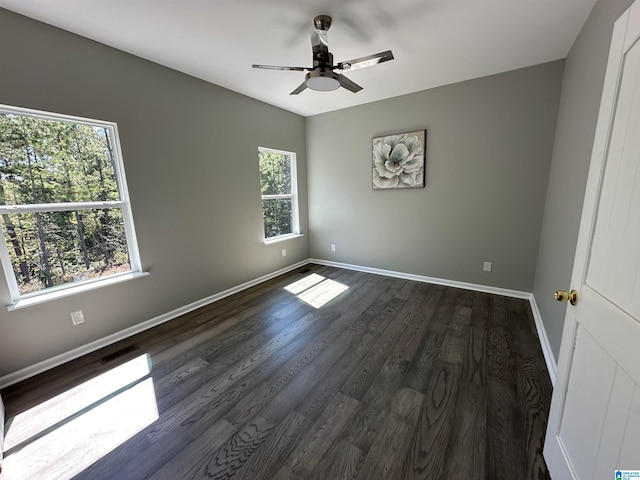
pixel 277 216
pixel 49 249
pixel 51 161
pixel 275 173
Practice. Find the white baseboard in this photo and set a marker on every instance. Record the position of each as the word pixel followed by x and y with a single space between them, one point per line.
pixel 550 360
pixel 421 278
pixel 40 367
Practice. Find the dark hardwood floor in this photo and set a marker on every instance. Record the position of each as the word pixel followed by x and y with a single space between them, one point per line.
pixel 392 379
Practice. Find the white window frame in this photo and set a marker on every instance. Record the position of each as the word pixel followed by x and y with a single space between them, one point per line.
pixel 22 300
pixel 295 213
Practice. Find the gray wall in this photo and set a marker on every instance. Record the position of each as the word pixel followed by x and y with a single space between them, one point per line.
pixel 489 144
pixel 190 154
pixel 579 104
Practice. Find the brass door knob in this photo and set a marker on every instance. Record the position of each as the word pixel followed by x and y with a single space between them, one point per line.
pixel 564 296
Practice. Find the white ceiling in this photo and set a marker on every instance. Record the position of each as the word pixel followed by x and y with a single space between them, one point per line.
pixel 435 42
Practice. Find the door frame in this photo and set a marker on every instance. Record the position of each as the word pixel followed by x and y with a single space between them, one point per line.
pixel 1 433
pixel 554 452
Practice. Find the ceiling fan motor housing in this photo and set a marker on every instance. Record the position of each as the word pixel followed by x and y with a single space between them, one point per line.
pixel 322 22
pixel 322 58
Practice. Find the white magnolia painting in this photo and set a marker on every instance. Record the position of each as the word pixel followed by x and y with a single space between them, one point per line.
pixel 398 160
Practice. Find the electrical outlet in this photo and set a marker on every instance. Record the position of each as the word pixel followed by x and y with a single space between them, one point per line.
pixel 333 247
pixel 487 267
pixel 284 252
pixel 77 317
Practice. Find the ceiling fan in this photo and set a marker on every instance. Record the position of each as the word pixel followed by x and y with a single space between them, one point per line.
pixel 323 76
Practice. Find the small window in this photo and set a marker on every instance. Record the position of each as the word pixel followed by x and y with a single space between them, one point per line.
pixel 278 184
pixel 64 206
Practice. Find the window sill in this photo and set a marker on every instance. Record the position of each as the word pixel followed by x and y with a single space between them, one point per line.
pixel 65 292
pixel 282 238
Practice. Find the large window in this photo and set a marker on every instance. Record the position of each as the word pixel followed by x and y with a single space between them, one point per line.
pixel 278 183
pixel 64 206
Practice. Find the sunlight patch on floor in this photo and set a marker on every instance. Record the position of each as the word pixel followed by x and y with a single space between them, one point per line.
pixel 81 438
pixel 315 290
pixel 304 283
pixel 72 401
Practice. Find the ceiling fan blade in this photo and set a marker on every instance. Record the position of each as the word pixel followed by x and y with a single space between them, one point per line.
pixel 302 87
pixel 366 61
pixel 348 84
pixel 277 67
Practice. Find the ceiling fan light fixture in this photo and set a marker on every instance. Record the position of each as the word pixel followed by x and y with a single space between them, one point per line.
pixel 322 76
pixel 322 81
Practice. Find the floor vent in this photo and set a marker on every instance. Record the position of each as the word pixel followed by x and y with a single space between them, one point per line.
pixel 119 353
pixel 305 270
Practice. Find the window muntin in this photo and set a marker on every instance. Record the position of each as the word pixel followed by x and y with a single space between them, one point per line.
pixel 64 206
pixel 278 185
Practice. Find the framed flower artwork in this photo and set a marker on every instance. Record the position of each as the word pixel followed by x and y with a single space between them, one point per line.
pixel 399 160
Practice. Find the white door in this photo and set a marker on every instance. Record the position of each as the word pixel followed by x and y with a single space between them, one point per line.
pixel 594 422
pixel 1 432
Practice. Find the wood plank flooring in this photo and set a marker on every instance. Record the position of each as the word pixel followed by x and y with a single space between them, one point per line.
pixel 392 379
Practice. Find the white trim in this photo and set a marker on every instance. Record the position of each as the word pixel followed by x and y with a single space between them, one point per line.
pixel 295 210
pixel 124 204
pixel 9 274
pixel 2 413
pixel 282 238
pixel 44 115
pixel 50 363
pixel 72 289
pixel 549 358
pixel 127 213
pixel 275 150
pixel 278 197
pixel 421 278
pixel 59 207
